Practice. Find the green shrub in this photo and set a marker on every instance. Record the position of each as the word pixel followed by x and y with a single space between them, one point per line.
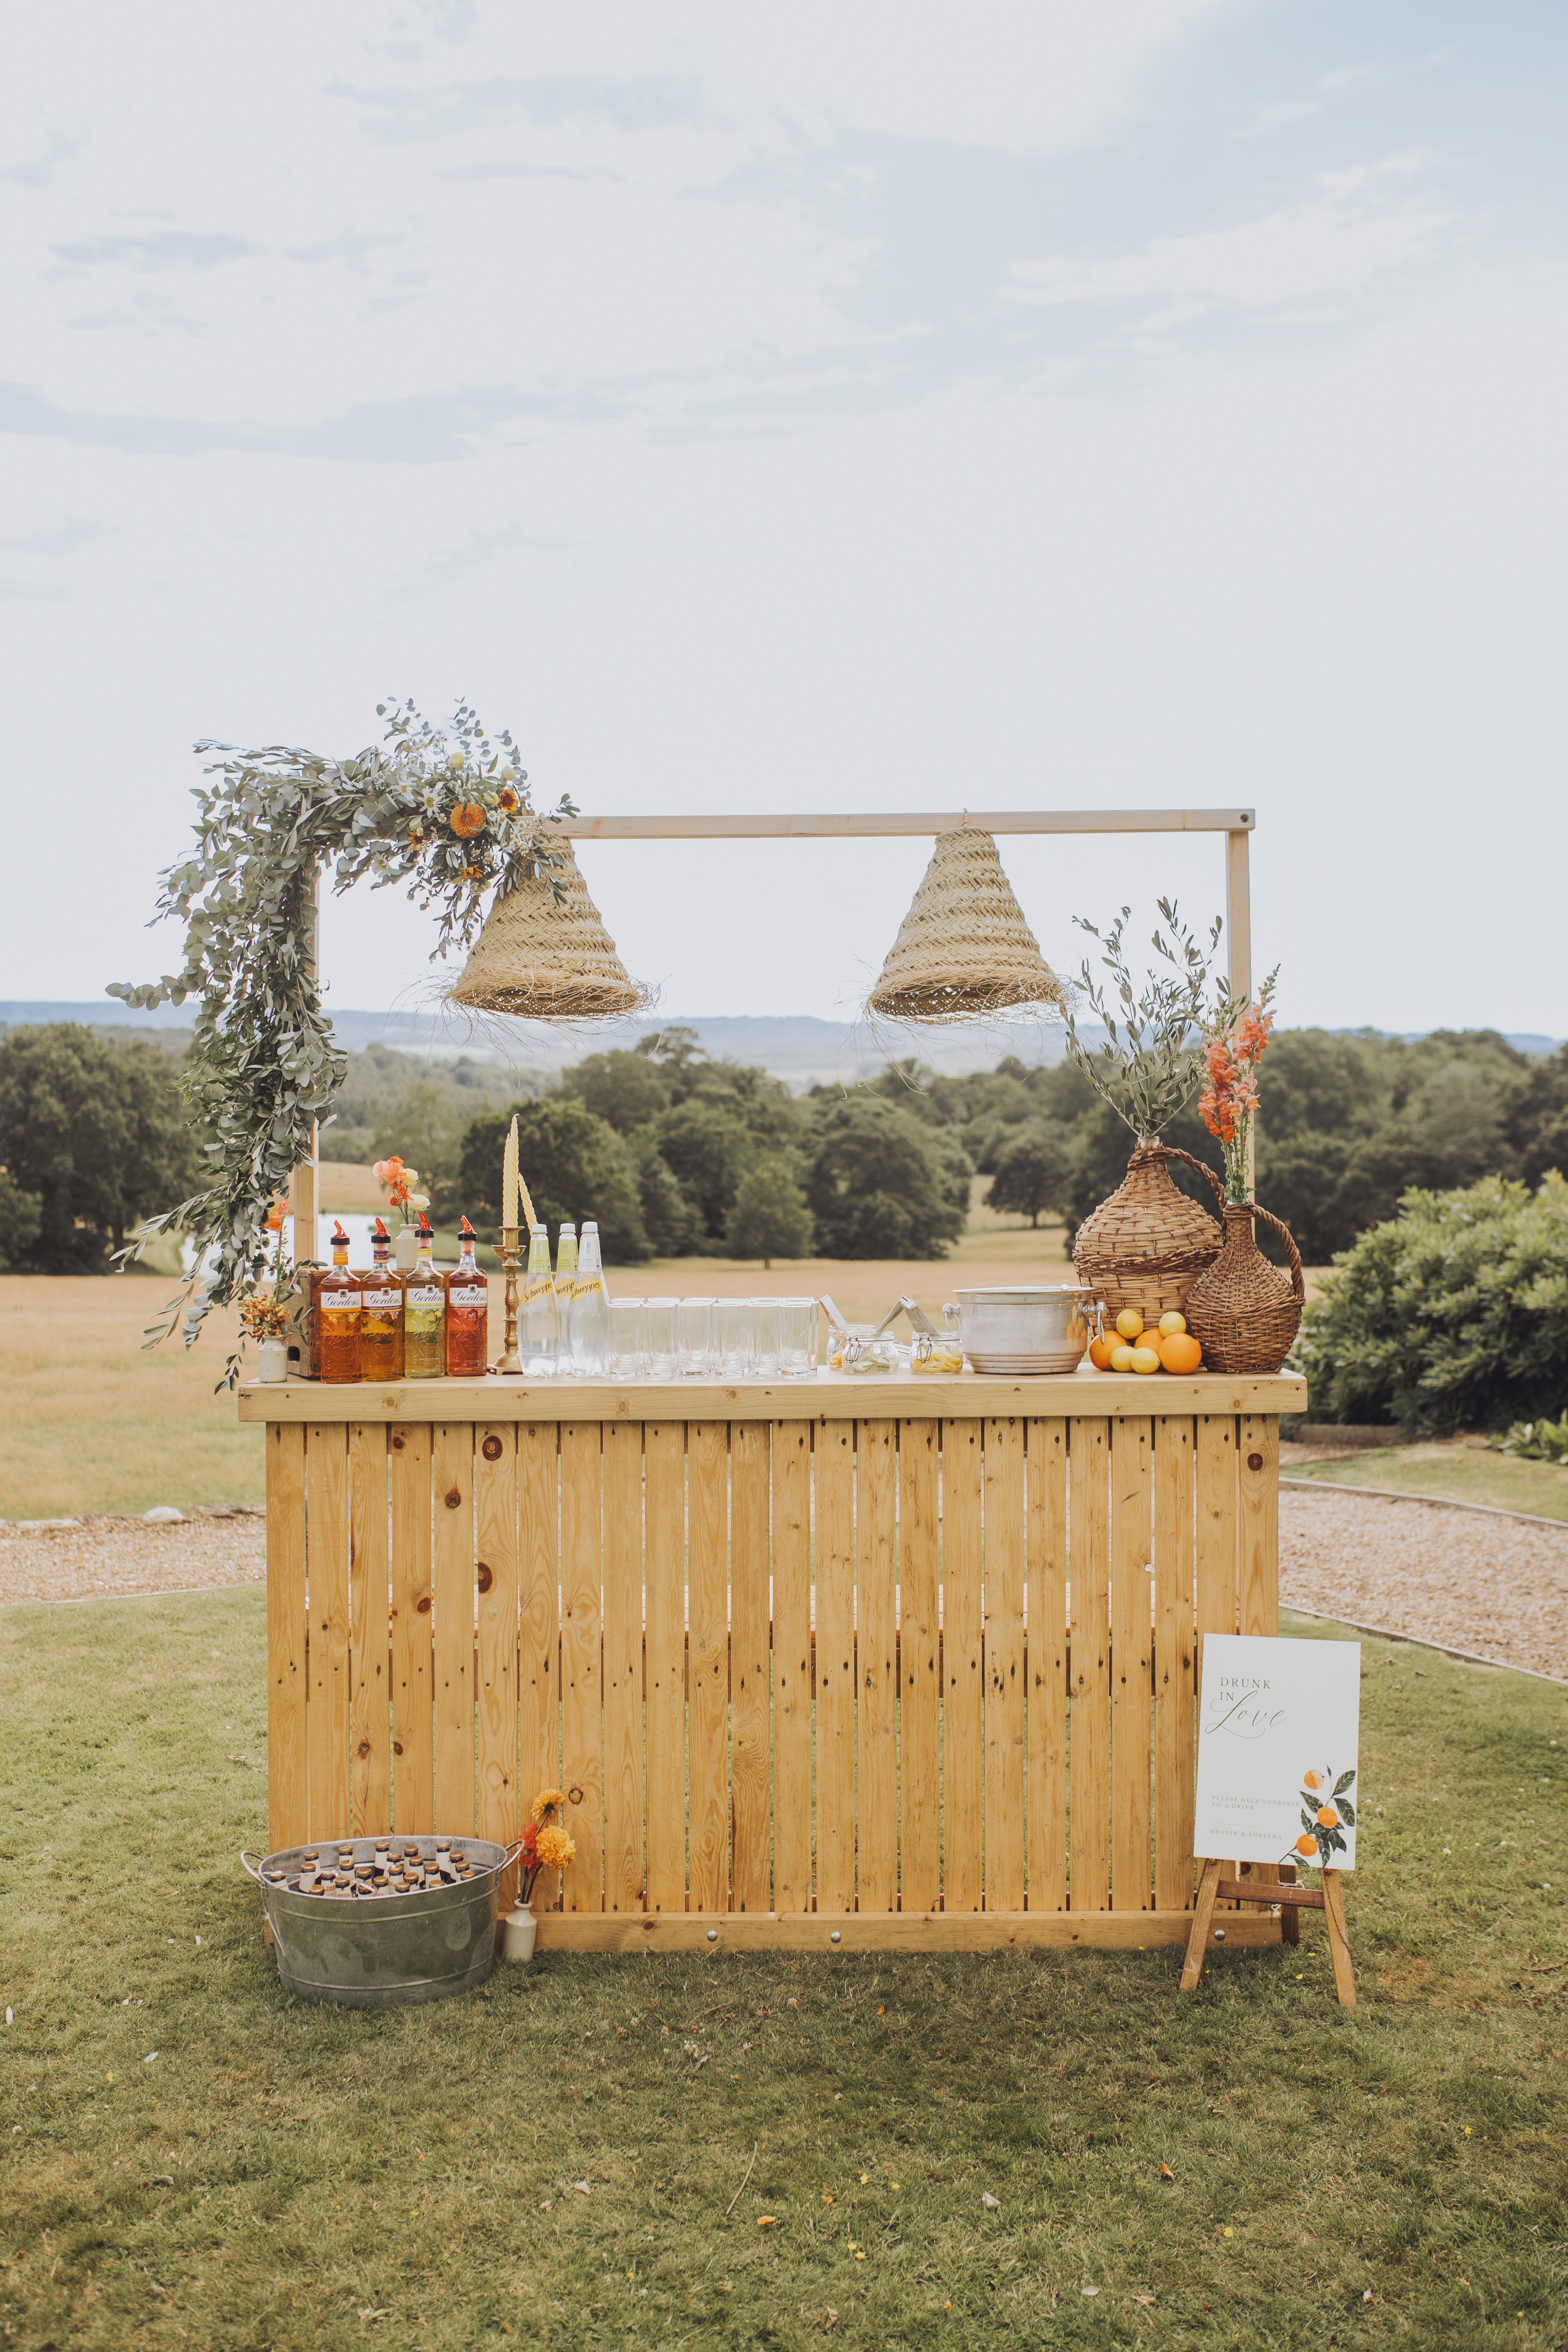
pixel 1536 1441
pixel 1452 1315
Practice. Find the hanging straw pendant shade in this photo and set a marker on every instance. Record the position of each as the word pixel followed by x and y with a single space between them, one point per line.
pixel 964 949
pixel 545 959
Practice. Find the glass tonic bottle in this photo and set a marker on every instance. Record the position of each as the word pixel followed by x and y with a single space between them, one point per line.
pixel 589 1311
pixel 467 1306
pixel 565 1282
pixel 338 1316
pixel 538 1335
pixel 424 1314
pixel 380 1323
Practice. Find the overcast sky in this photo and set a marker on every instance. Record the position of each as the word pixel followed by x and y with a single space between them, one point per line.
pixel 922 406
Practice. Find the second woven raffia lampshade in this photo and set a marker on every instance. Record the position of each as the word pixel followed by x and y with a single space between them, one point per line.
pixel 964 949
pixel 543 959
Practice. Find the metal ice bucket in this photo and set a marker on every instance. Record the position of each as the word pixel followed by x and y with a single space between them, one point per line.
pixel 1024 1328
pixel 384 1951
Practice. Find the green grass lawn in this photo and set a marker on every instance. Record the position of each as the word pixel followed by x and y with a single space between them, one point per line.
pixel 191 2158
pixel 1468 1474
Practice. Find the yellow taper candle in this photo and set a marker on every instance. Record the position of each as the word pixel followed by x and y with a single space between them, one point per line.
pixel 509 1176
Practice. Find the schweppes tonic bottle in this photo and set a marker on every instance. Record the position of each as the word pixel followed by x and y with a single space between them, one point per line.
pixel 589 1311
pixel 565 1283
pixel 538 1325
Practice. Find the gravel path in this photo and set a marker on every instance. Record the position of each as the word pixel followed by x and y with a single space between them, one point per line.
pixel 1492 1586
pixel 103 1556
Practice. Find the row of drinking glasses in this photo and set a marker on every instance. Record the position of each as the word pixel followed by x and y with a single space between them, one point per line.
pixel 713 1339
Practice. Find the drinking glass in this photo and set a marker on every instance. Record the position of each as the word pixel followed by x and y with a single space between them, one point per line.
pixel 798 1339
pixel 765 1337
pixel 659 1317
pixel 699 1337
pixel 737 1338
pixel 628 1343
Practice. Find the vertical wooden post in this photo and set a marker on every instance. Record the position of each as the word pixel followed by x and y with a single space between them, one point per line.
pixel 1238 924
pixel 305 1185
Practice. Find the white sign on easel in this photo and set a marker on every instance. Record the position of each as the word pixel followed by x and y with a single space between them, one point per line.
pixel 1278 1733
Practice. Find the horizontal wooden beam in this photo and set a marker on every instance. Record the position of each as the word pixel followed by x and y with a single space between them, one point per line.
pixel 832 1396
pixel 1250 1890
pixel 889 1931
pixel 852 824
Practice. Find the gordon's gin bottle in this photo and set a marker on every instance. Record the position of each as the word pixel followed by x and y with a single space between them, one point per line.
pixel 424 1314
pixel 467 1305
pixel 381 1322
pixel 338 1312
pixel 538 1333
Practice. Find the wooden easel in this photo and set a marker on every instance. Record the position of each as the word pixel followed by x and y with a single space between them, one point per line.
pixel 1292 1901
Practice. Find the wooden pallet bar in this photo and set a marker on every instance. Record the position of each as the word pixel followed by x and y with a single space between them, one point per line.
pixel 840 1665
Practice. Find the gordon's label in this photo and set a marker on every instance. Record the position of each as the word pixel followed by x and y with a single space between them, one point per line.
pixel 428 1294
pixel 337 1302
pixel 382 1300
pixel 472 1294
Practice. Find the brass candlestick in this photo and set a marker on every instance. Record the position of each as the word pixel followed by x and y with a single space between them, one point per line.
pixel 511 1361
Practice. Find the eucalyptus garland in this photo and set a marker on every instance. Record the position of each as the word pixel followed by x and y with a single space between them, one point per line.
pixel 443 810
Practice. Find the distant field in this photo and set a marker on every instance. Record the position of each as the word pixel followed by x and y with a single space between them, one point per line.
pixel 94 1424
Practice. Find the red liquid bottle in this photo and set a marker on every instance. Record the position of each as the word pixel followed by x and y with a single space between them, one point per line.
pixel 339 1314
pixel 467 1315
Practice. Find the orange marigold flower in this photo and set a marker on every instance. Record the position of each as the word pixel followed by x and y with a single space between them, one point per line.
pixel 555 1849
pixel 549 1800
pixel 507 801
pixel 276 1216
pixel 468 819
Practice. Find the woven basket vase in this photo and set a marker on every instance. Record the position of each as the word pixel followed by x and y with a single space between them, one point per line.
pixel 964 948
pixel 1244 1311
pixel 1146 1246
pixel 545 960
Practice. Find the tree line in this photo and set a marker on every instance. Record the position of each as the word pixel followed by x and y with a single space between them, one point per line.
pixel 679 1154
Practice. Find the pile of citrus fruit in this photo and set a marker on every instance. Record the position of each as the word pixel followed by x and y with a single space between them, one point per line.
pixel 1132 1348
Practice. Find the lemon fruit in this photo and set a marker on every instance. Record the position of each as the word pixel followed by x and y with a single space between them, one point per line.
pixel 1130 1323
pixel 1172 1322
pixel 1122 1359
pixel 1146 1360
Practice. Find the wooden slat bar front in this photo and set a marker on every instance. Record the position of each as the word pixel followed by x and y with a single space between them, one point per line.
pixel 834 1663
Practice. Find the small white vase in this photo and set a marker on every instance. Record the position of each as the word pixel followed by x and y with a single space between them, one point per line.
pixel 406 1249
pixel 518 1929
pixel 272 1360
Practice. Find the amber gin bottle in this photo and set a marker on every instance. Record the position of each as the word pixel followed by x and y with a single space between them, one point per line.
pixel 339 1314
pixel 424 1314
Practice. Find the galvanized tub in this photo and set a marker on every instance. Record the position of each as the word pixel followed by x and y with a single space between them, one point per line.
pixel 390 1950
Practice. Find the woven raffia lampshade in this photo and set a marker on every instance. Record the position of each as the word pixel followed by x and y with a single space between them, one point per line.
pixel 964 947
pixel 546 960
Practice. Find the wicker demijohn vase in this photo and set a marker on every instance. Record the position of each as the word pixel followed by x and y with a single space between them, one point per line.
pixel 1244 1311
pixel 1145 1246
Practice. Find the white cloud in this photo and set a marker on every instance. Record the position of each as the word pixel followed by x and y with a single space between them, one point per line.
pixel 1354 233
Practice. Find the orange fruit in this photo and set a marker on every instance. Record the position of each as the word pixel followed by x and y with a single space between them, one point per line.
pixel 1327 1818
pixel 1130 1323
pixel 1100 1354
pixel 1146 1360
pixel 1179 1352
pixel 1305 1844
pixel 1172 1322
pixel 1315 1779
